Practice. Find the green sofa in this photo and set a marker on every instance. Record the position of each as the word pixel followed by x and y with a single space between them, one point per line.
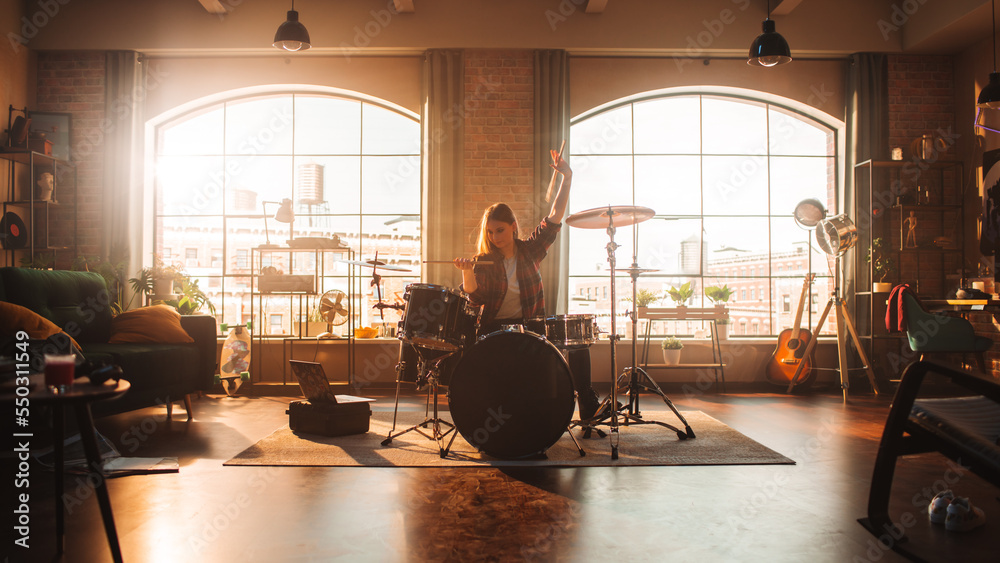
pixel 78 302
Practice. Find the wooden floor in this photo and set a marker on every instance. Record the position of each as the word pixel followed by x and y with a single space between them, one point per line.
pixel 801 513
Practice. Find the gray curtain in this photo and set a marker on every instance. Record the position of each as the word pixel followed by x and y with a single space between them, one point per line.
pixel 122 130
pixel 442 123
pixel 867 135
pixel 551 128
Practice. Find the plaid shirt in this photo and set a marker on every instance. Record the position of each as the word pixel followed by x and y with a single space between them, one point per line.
pixel 492 279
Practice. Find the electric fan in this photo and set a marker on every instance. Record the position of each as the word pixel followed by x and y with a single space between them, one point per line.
pixel 333 310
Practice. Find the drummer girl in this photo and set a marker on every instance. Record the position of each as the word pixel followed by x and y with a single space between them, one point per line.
pixel 510 289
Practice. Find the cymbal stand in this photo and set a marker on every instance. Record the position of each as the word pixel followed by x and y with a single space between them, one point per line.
pixel 433 369
pixel 634 372
pixel 610 404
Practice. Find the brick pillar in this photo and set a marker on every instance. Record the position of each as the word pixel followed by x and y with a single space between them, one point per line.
pixel 73 81
pixel 499 90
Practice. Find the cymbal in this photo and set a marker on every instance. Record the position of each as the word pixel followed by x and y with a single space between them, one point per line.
pixel 597 218
pixel 376 264
pixel 634 271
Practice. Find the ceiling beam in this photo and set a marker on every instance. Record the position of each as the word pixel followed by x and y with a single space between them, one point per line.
pixel 404 6
pixel 213 6
pixel 596 6
pixel 785 7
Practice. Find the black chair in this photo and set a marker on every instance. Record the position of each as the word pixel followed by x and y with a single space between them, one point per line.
pixel 965 428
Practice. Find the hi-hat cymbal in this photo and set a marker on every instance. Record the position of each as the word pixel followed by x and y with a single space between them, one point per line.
pixel 597 218
pixel 635 271
pixel 376 264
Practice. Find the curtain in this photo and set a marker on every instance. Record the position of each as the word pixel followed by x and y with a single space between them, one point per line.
pixel 442 123
pixel 122 200
pixel 867 135
pixel 551 126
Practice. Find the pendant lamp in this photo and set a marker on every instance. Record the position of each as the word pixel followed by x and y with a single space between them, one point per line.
pixel 292 35
pixel 769 48
pixel 989 97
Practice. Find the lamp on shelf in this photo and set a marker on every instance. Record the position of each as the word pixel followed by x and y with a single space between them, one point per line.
pixel 989 96
pixel 292 35
pixel 769 48
pixel 284 214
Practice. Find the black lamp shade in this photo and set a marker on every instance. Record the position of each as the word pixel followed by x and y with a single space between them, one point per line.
pixel 989 97
pixel 769 48
pixel 292 35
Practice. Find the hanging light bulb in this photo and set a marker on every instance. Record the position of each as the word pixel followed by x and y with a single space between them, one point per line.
pixel 769 48
pixel 292 35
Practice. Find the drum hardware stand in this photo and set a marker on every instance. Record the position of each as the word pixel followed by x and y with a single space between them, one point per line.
pixel 609 405
pixel 432 368
pixel 634 372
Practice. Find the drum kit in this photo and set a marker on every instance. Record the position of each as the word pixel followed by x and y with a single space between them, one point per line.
pixel 511 393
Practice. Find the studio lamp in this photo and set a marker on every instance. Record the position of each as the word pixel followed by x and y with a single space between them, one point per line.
pixel 283 215
pixel 292 35
pixel 769 48
pixel 989 97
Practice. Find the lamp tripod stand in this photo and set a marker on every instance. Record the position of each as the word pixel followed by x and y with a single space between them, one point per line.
pixel 844 320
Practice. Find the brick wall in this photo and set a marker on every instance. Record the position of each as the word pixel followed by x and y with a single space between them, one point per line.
pixel 73 81
pixel 499 88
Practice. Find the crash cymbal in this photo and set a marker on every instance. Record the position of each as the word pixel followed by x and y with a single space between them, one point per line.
pixel 376 264
pixel 597 218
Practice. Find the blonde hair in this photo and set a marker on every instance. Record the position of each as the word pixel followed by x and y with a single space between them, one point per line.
pixel 496 212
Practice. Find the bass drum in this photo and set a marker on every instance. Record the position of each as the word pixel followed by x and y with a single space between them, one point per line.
pixel 512 395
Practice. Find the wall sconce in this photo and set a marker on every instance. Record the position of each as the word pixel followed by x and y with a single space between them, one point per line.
pixel 769 48
pixel 285 214
pixel 292 35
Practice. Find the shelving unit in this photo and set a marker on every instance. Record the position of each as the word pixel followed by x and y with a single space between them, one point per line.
pixel 711 314
pixel 886 193
pixel 301 263
pixel 24 169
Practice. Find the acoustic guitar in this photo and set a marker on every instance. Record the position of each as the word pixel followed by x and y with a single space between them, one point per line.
pixel 791 348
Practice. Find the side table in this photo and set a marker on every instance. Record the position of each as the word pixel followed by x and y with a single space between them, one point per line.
pixel 78 397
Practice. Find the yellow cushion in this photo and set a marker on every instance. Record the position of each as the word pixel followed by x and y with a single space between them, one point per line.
pixel 15 317
pixel 158 324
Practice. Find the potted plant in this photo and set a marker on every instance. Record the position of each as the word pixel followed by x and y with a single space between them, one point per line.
pixel 315 324
pixel 680 295
pixel 644 298
pixel 883 265
pixel 671 350
pixel 723 327
pixel 157 280
pixel 719 294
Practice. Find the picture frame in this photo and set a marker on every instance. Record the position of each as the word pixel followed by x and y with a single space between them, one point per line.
pixel 57 127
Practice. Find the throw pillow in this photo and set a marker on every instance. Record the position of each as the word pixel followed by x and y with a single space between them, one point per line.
pixel 15 317
pixel 157 324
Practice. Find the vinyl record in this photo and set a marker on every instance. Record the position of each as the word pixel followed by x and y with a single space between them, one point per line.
pixel 13 235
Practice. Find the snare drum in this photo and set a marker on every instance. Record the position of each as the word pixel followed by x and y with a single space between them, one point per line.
pixel 511 395
pixel 438 318
pixel 568 332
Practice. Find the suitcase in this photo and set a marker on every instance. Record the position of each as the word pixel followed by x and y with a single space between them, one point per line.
pixel 349 415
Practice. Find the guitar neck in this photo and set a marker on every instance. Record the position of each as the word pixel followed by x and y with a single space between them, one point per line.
pixel 802 302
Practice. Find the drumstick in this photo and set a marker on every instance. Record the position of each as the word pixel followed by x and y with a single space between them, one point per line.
pixel 483 262
pixel 552 182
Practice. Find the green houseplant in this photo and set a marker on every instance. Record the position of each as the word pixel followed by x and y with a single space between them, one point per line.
pixel 644 297
pixel 883 265
pixel 680 295
pixel 672 347
pixel 719 294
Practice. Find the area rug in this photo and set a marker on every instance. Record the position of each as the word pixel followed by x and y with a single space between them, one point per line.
pixel 645 444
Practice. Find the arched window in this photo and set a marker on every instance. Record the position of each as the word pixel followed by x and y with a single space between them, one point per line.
pixel 723 174
pixel 349 165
